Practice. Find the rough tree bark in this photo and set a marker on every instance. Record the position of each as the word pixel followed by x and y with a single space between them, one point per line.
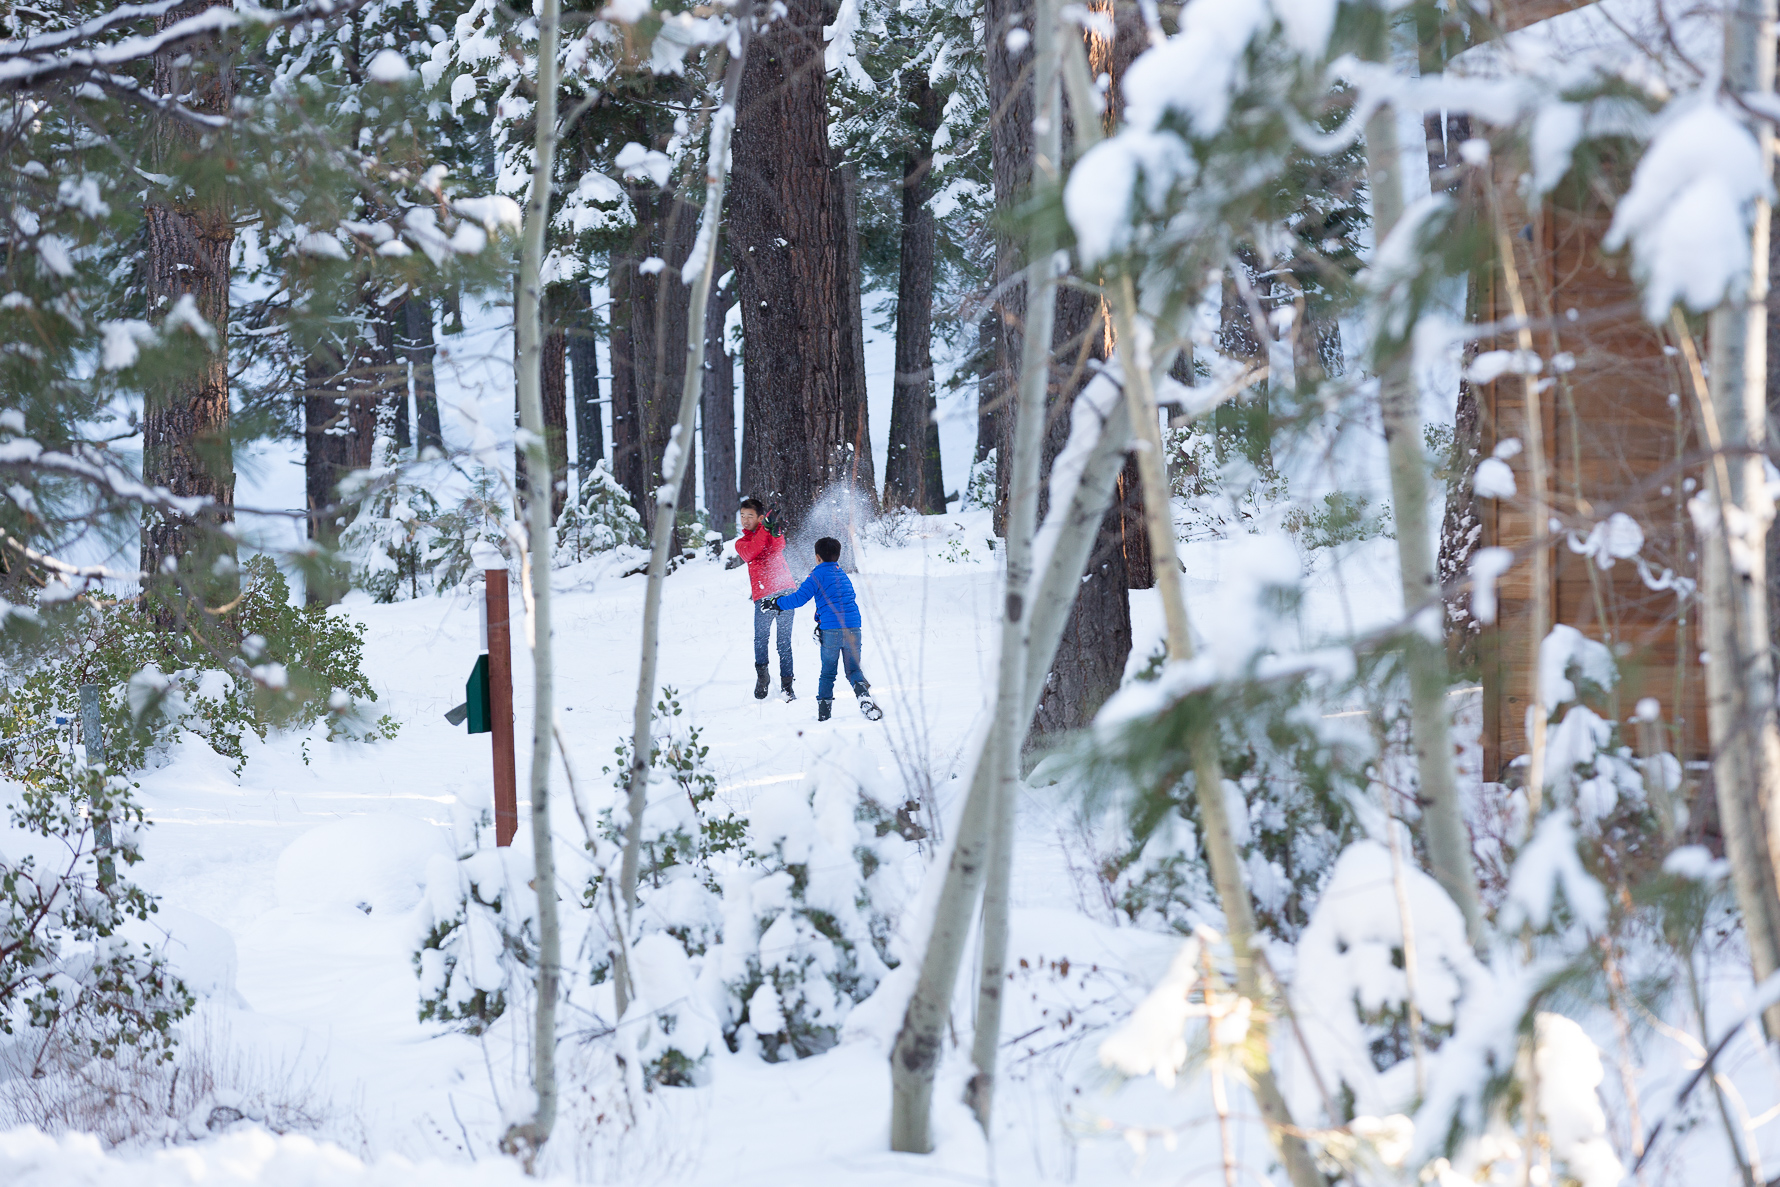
pixel 697 274
pixel 185 420
pixel 527 1137
pixel 1010 149
pixel 416 344
pixel 556 415
pixel 906 465
pixel 628 461
pixel 658 326
pixel 717 412
pixel 342 388
pixel 584 371
pixel 790 238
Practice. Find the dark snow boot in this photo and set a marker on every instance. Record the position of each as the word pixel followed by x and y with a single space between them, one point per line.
pixel 762 682
pixel 867 706
pixel 785 687
pixel 824 710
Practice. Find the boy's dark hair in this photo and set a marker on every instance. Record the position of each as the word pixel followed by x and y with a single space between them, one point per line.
pixel 828 549
pixel 754 505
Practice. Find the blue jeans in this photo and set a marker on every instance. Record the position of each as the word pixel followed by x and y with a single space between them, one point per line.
pixel 835 644
pixel 763 627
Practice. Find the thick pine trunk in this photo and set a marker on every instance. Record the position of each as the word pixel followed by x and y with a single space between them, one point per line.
pixel 628 463
pixel 584 368
pixel 339 429
pixel 416 345
pixel 185 421
pixel 908 466
pixel 792 242
pixel 1010 146
pixel 717 412
pixel 555 391
pixel 657 316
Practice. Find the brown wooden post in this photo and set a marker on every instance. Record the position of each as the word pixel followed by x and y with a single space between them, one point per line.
pixel 500 708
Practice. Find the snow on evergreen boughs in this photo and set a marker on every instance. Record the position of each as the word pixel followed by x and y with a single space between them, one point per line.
pixel 463 534
pixel 599 519
pixel 392 535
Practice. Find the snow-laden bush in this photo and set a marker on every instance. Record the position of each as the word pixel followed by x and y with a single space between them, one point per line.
pixel 979 485
pixel 751 933
pixel 390 540
pixel 479 521
pixel 293 666
pixel 598 519
pixel 478 926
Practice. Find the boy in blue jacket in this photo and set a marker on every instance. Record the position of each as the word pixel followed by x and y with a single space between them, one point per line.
pixel 837 617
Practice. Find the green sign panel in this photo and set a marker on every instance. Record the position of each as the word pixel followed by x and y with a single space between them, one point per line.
pixel 476 696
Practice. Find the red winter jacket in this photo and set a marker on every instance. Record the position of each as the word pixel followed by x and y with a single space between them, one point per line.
pixel 768 573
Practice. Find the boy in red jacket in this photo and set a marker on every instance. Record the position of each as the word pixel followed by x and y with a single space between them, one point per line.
pixel 768 575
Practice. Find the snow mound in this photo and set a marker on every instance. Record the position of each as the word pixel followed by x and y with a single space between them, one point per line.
pixel 252 1157
pixel 374 863
pixel 200 951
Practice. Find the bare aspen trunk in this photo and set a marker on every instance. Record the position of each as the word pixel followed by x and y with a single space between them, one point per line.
pixel 527 1139
pixel 1133 343
pixel 1012 715
pixel 675 459
pixel 1733 526
pixel 915 1058
pixel 1443 817
pixel 1541 484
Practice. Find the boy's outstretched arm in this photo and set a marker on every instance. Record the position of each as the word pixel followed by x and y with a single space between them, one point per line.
pixel 805 592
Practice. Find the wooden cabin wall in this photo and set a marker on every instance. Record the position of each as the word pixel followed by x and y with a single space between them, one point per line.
pixel 1618 427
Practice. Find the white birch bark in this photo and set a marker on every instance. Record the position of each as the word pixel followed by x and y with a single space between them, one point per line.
pixel 915 1057
pixel 1443 818
pixel 1022 521
pixel 675 459
pixel 1733 525
pixel 1133 342
pixel 526 1139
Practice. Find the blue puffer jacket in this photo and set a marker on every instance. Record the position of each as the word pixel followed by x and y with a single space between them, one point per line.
pixel 833 593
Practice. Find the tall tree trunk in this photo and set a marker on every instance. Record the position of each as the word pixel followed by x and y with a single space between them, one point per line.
pixel 555 384
pixel 1010 146
pixel 697 274
pixel 1096 642
pixel 590 439
pixel 907 464
pixel 804 409
pixel 527 1137
pixel 1023 471
pixel 915 1059
pixel 628 462
pixel 1443 820
pixel 717 411
pixel 658 326
pixel 1745 735
pixel 339 428
pixel 417 348
pixel 185 422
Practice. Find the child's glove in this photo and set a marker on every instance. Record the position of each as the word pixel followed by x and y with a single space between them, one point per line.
pixel 771 604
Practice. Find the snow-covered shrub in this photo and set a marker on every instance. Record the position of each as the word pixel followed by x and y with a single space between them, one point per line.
pixel 979 487
pixel 598 519
pixel 295 666
pixel 480 520
pixel 70 983
pixel 1289 790
pixel 390 538
pixel 1336 518
pixel 893 528
pixel 478 926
